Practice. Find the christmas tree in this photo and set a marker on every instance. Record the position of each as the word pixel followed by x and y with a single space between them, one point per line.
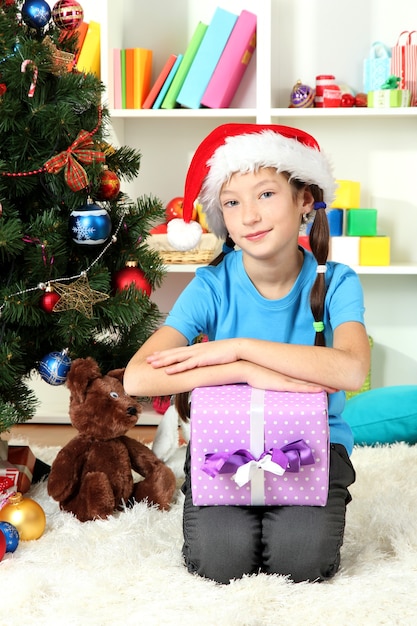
pixel 75 269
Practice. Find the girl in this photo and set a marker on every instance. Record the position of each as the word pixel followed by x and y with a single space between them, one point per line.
pixel 277 317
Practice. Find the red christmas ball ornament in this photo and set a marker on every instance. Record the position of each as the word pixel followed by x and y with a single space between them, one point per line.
pixel 109 185
pixel 67 14
pixel 348 100
pixel 48 300
pixel 131 274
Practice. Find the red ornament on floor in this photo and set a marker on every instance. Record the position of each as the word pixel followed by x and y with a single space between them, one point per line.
pixel 131 274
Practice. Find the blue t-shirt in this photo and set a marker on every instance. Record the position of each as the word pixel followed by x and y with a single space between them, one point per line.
pixel 222 302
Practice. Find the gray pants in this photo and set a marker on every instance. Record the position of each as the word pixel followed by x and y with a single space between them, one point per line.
pixel 226 542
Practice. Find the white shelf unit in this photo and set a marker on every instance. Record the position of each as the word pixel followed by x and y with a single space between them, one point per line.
pixel 296 39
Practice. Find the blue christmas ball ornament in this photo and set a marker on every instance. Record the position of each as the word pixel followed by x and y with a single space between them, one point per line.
pixel 90 225
pixel 11 535
pixel 36 13
pixel 54 367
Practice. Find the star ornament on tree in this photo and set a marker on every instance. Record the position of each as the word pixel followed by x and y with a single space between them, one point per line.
pixel 78 295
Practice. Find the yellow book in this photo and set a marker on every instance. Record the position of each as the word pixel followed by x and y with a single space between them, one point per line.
pixel 89 57
pixel 142 74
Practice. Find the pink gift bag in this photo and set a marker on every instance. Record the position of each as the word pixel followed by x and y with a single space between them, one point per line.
pixel 255 447
pixel 404 62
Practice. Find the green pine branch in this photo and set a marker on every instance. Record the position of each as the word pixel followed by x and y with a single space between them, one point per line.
pixel 36 244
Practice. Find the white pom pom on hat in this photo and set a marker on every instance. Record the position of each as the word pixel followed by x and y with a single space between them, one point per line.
pixel 183 235
pixel 235 147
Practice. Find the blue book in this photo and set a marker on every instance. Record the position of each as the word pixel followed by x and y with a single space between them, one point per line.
pixel 206 59
pixel 167 83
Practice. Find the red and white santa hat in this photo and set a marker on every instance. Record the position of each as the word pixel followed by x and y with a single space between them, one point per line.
pixel 244 148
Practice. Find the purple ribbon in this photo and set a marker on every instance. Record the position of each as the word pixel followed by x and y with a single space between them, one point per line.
pixel 37 241
pixel 289 458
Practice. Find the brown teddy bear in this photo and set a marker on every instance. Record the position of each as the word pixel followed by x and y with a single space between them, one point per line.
pixel 92 474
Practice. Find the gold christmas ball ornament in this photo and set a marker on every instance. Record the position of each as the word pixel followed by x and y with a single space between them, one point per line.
pixel 26 515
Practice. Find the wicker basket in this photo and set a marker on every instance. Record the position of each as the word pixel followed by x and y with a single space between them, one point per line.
pixel 208 248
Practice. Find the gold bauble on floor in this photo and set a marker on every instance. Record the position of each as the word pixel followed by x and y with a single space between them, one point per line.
pixel 26 515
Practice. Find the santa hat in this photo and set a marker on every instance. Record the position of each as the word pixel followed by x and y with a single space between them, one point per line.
pixel 244 148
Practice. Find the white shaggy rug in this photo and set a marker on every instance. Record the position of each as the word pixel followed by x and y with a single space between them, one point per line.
pixel 128 571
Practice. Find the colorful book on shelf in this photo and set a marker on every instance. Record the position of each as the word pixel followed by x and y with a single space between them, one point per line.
pixel 206 58
pixel 89 57
pixel 232 64
pixel 157 86
pixel 129 78
pixel 123 76
pixel 170 100
pixel 114 86
pixel 142 77
pixel 80 33
pixel 168 82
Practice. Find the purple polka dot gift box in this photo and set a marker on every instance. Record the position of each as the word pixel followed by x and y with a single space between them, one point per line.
pixel 256 447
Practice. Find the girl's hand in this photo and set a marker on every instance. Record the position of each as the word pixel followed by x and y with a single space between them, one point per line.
pixel 186 358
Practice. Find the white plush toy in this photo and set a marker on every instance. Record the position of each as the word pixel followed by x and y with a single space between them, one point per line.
pixel 167 445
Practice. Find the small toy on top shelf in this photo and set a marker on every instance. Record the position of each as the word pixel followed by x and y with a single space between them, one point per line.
pixel 389 95
pixel 302 96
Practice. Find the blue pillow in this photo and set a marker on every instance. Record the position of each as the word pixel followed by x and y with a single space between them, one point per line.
pixel 383 415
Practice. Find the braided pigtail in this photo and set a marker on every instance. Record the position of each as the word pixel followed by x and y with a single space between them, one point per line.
pixel 319 243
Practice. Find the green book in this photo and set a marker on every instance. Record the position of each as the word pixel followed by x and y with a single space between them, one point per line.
pixel 170 99
pixel 123 76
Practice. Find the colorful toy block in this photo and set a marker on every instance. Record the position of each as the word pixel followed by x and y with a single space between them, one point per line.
pixel 303 241
pixel 361 222
pixel 335 217
pixel 344 250
pixel 375 250
pixel 347 195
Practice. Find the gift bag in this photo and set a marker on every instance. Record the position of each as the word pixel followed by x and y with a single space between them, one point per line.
pixel 377 67
pixel 404 63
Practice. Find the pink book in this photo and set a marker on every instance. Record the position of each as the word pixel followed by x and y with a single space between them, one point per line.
pixel 117 79
pixel 232 63
pixel 156 88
